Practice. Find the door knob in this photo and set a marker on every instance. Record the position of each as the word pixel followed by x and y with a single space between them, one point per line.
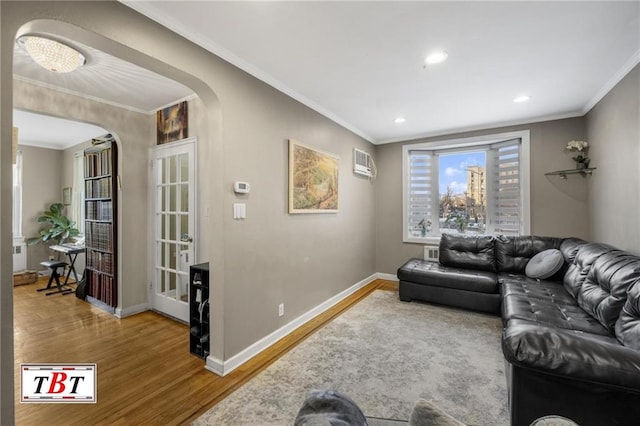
pixel 186 238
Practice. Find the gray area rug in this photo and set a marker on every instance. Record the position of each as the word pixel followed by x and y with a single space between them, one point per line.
pixel 384 354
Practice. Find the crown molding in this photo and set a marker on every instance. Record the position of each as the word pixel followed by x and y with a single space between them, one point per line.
pixel 617 77
pixel 147 9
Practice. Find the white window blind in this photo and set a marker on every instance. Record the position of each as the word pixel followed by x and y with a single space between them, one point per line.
pixel 505 189
pixel 422 198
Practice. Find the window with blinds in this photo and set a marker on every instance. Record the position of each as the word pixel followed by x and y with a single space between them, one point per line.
pixel 17 195
pixel 424 211
pixel 423 193
pixel 506 196
pixel 77 198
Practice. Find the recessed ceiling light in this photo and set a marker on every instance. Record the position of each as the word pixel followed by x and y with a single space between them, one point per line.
pixel 51 54
pixel 523 98
pixel 436 58
pixel 399 120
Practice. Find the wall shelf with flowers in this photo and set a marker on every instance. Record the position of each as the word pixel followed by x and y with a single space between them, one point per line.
pixel 564 173
pixel 575 188
pixel 581 148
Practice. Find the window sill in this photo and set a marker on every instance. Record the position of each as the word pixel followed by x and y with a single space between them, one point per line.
pixel 430 240
pixel 435 239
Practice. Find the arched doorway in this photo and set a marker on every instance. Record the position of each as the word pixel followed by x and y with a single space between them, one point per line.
pixel 130 176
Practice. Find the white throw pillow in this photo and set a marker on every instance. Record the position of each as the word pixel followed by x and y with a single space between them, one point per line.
pixel 544 264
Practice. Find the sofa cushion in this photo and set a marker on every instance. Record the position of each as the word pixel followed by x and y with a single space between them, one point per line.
pixel 469 252
pixel 582 262
pixel 544 264
pixel 513 253
pixel 551 314
pixel 628 324
pixel 545 290
pixel 434 274
pixel 329 408
pixel 569 248
pixel 585 357
pixel 609 274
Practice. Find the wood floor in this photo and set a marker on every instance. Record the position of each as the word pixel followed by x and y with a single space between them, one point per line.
pixel 145 373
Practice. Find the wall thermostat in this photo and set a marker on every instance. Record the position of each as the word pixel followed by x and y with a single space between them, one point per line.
pixel 241 187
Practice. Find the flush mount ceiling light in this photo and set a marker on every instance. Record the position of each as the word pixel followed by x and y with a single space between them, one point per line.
pixel 523 98
pixel 51 54
pixel 399 120
pixel 436 58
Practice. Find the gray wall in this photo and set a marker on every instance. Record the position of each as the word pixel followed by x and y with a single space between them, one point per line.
pixel 133 135
pixel 555 210
pixel 271 257
pixel 41 186
pixel 613 132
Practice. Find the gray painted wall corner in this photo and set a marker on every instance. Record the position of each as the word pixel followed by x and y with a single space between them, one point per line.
pixel 613 132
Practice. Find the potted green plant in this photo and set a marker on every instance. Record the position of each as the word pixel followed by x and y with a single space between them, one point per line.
pixel 57 227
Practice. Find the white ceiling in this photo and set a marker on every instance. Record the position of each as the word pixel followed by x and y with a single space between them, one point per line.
pixel 103 78
pixel 361 63
pixel 52 132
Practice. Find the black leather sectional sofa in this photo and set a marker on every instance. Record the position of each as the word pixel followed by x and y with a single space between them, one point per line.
pixel 571 342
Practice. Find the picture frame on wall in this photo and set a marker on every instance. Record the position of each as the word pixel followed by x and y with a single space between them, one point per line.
pixel 313 179
pixel 173 123
pixel 66 196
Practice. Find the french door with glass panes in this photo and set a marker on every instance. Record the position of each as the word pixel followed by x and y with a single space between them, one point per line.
pixel 173 182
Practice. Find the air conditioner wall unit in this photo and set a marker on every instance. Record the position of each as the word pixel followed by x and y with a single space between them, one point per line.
pixel 431 252
pixel 362 163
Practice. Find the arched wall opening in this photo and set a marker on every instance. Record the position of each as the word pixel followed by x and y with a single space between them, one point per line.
pixel 105 37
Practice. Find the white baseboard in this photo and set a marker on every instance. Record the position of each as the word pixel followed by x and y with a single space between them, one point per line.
pixel 100 304
pixel 223 368
pixel 216 366
pixel 131 310
pixel 388 277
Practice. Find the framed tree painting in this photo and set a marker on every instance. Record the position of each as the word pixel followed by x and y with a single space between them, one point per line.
pixel 313 180
pixel 173 123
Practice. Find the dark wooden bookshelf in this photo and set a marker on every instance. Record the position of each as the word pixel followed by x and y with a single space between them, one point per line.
pixel 100 225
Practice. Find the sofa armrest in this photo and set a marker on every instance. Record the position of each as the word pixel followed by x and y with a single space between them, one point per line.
pixel 571 354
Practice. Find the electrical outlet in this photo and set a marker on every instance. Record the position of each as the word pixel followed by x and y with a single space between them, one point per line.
pixel 51 258
pixel 281 309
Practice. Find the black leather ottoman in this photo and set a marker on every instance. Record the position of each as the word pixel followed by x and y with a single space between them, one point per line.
pixel 463 288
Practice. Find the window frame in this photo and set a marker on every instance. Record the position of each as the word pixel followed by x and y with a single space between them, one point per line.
pixel 469 143
pixel 17 187
pixel 78 196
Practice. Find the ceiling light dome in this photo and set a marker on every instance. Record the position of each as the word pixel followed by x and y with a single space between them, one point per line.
pixel 436 57
pixel 51 54
pixel 523 98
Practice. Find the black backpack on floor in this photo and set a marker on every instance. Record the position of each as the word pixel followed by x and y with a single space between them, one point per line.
pixel 81 289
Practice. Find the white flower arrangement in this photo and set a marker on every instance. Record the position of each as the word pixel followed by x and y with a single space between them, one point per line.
pixel 425 226
pixel 582 148
pixel 577 146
